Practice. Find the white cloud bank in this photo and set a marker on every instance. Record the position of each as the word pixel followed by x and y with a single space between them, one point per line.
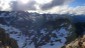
pixel 43 6
pixel 66 10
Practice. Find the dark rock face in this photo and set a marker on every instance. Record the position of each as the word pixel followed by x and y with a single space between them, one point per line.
pixel 2 20
pixel 6 41
pixel 79 28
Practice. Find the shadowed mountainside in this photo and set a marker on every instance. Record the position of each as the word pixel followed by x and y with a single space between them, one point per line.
pixel 6 41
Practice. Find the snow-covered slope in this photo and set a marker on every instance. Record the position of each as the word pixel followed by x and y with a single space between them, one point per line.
pixel 33 30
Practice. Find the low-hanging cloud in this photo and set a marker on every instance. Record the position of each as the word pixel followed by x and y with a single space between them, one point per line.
pixel 55 3
pixel 78 10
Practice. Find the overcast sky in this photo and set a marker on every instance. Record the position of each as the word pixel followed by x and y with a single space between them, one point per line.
pixel 44 6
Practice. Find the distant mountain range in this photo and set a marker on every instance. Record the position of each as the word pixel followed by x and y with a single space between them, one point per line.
pixel 34 30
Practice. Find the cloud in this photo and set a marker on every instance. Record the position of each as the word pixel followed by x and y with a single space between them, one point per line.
pixel 66 10
pixel 55 6
pixel 78 10
pixel 18 6
pixel 55 3
pixel 4 6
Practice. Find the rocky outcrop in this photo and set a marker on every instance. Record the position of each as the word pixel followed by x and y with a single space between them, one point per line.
pixel 6 41
pixel 77 43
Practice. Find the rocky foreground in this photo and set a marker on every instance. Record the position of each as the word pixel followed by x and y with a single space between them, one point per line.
pixel 77 43
pixel 6 41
